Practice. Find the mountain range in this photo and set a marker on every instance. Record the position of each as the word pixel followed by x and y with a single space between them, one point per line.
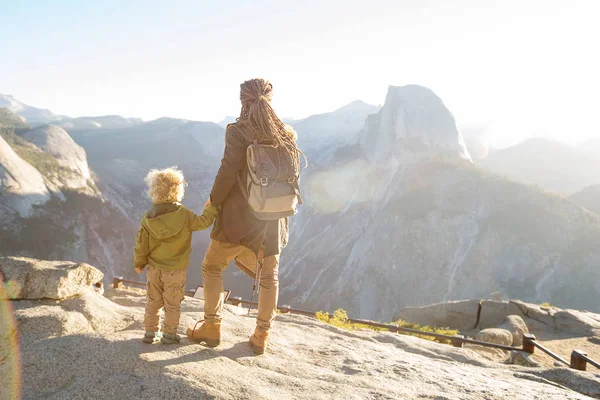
pixel 29 114
pixel 103 122
pixel 408 219
pixel 396 213
pixel 591 146
pixel 588 198
pixel 554 166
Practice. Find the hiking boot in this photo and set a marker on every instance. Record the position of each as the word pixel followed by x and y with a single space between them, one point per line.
pixel 258 341
pixel 168 338
pixel 209 333
pixel 150 337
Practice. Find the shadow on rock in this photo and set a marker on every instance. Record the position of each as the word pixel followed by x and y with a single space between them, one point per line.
pixel 121 368
pixel 234 353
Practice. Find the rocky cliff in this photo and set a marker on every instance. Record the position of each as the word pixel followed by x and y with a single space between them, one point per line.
pixel 10 120
pixel 440 231
pixel 21 185
pixel 82 342
pixel 413 119
pixel 70 157
pixel 50 206
pixel 406 219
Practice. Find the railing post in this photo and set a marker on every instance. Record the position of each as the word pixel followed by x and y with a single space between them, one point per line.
pixel 457 340
pixel 116 283
pixel 578 361
pixel 528 345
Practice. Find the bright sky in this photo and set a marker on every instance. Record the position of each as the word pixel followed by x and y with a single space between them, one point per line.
pixel 524 68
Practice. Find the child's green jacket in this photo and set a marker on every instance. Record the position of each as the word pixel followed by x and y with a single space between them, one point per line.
pixel 165 236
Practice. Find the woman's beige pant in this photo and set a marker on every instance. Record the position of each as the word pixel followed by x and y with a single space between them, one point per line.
pixel 165 289
pixel 216 259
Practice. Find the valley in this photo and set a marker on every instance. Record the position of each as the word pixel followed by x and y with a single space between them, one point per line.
pixel 396 211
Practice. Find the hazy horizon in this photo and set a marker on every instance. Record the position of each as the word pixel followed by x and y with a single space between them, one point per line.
pixel 523 69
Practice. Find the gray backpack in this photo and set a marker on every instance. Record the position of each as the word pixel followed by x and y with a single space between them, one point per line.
pixel 272 188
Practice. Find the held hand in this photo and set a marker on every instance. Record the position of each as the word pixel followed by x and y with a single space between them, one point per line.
pixel 138 270
pixel 207 203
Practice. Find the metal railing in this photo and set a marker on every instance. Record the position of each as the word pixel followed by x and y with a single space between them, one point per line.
pixel 579 359
pixel 455 340
pixel 530 343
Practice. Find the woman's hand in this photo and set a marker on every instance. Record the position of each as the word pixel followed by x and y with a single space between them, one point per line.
pixel 207 203
pixel 138 270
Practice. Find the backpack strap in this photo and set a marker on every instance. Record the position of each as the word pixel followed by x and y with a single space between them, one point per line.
pixel 240 132
pixel 296 187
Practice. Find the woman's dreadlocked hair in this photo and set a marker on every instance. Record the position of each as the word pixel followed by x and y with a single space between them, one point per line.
pixel 256 95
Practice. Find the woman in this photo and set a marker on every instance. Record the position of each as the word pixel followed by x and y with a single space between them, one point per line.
pixel 238 235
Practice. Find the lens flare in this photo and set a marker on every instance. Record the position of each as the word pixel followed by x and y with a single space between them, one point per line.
pixel 10 360
pixel 335 189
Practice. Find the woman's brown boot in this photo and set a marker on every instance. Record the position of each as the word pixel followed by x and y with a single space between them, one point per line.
pixel 258 341
pixel 209 333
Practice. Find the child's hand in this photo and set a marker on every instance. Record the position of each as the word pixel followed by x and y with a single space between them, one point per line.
pixel 138 270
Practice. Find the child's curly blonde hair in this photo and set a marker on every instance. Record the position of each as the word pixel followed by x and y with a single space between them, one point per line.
pixel 165 185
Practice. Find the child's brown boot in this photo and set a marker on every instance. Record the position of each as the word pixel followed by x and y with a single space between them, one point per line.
pixel 151 337
pixel 170 338
pixel 258 341
pixel 209 333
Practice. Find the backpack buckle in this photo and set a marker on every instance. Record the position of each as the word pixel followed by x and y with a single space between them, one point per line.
pixel 264 181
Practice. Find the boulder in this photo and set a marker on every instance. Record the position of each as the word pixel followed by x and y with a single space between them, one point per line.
pixel 27 278
pixel 495 335
pixel 577 322
pixel 574 322
pixel 102 314
pixel 542 314
pixel 523 359
pixel 489 353
pixel 516 326
pixel 460 315
pixel 493 313
pixel 9 354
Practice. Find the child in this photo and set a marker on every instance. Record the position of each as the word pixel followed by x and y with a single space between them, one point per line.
pixel 164 244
